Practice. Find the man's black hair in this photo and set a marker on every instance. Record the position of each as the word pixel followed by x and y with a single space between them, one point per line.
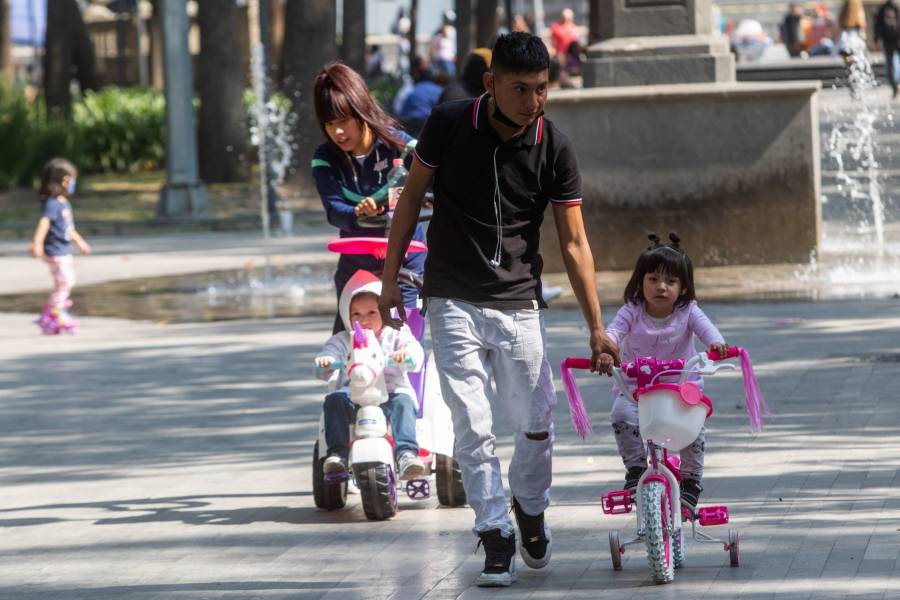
pixel 519 52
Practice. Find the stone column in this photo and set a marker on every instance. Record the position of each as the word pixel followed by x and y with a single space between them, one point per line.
pixel 651 42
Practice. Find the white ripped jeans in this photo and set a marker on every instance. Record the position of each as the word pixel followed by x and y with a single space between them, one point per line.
pixel 473 345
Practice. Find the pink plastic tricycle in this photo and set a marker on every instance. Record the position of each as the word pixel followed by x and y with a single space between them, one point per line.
pixel 671 416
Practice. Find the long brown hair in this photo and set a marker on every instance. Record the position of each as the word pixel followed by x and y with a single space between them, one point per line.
pixel 52 176
pixel 852 15
pixel 340 93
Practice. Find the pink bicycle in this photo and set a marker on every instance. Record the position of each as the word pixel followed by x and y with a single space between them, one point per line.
pixel 671 416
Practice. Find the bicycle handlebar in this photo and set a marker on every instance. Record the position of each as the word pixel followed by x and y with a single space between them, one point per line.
pixel 733 352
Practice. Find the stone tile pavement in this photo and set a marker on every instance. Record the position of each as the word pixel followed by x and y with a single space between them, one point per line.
pixel 147 461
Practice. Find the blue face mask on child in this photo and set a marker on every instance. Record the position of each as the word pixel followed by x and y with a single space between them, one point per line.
pixel 71 188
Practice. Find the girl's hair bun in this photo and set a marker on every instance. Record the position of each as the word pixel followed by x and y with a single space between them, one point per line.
pixel 676 241
pixel 655 239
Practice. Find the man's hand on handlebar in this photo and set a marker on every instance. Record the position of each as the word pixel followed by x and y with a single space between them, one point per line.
pixel 604 353
pixel 368 207
pixel 391 297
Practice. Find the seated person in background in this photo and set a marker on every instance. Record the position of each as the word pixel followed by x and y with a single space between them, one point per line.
pixel 426 92
pixel 470 83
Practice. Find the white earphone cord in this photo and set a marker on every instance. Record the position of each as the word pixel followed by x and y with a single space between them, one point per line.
pixel 498 214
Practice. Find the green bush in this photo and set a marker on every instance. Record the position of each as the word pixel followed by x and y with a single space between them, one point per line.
pixel 383 91
pixel 114 130
pixel 15 135
pixel 120 129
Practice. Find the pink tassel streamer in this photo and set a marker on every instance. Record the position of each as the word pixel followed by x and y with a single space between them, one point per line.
pixel 756 404
pixel 580 419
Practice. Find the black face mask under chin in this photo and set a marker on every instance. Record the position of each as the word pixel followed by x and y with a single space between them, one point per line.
pixel 500 117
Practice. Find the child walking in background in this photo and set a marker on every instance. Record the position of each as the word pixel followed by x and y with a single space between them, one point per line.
pixel 359 303
pixel 52 242
pixel 660 318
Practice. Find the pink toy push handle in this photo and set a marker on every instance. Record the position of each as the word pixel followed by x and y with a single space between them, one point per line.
pixel 580 419
pixel 756 404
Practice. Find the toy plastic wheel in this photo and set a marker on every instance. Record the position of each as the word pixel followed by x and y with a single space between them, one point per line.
pixel 328 496
pixel 734 547
pixel 449 481
pixel 678 548
pixel 378 490
pixel 655 505
pixel 615 549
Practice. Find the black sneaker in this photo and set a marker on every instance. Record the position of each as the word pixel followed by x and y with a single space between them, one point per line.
pixel 690 494
pixel 536 542
pixel 632 477
pixel 499 559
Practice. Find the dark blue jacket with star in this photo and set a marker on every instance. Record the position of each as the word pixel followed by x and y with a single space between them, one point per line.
pixel 343 183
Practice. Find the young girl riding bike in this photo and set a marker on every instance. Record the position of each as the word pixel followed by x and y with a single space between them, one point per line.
pixel 660 318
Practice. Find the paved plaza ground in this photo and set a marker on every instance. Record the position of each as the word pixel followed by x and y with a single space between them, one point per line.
pixel 154 461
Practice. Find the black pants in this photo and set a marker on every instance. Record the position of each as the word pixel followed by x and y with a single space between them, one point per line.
pixel 891 47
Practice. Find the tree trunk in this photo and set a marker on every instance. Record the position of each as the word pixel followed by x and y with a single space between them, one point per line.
pixel 353 48
pixel 68 52
pixel 413 27
pixel 309 44
pixel 594 21
pixel 222 129
pixel 5 41
pixel 487 23
pixel 154 27
pixel 463 30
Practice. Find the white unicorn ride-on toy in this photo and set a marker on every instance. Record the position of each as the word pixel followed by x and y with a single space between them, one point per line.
pixel 371 461
pixel 670 416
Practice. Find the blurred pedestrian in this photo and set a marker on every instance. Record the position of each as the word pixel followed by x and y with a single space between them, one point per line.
pixel 400 28
pixel 852 21
pixel 823 32
pixel 563 33
pixel 425 94
pixel 442 51
pixel 470 83
pixel 792 30
pixel 887 31
pixel 374 62
pixel 521 24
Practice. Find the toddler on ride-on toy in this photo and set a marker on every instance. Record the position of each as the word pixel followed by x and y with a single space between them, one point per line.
pixel 359 304
pixel 660 318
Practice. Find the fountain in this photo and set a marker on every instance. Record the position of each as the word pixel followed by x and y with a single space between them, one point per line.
pixel 860 251
pixel 667 140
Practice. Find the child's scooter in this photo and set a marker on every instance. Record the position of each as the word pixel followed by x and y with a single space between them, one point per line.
pixel 671 416
pixel 371 454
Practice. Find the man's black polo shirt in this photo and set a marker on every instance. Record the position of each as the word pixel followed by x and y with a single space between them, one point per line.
pixel 470 257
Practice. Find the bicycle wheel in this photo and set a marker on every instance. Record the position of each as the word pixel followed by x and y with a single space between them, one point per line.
pixel 734 553
pixel 615 549
pixel 678 548
pixel 655 506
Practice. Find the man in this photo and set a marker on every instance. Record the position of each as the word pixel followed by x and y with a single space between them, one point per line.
pixel 887 31
pixel 563 33
pixel 496 164
pixel 792 30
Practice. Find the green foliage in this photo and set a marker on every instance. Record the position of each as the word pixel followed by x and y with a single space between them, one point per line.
pixel 114 130
pixel 120 129
pixel 15 133
pixel 383 91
